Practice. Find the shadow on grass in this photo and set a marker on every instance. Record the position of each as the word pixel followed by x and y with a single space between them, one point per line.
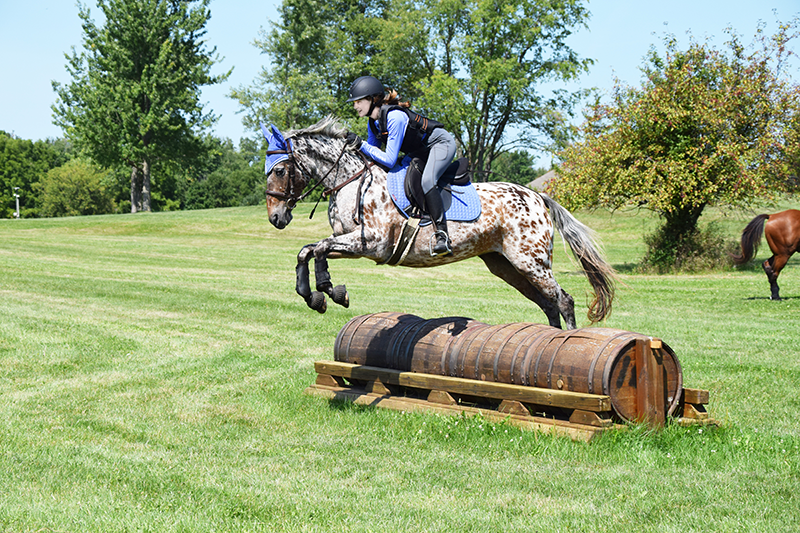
pixel 768 298
pixel 348 405
pixel 626 268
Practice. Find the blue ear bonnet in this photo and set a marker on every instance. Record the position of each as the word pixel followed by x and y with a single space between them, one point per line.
pixel 276 142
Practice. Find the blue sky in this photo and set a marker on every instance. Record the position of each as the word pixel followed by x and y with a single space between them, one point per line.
pixel 34 37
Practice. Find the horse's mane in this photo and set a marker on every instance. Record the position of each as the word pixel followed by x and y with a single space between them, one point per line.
pixel 328 127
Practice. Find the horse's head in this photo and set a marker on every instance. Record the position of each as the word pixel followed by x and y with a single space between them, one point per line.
pixel 304 156
pixel 284 183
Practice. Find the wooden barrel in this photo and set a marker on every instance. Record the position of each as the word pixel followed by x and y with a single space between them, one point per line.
pixel 587 360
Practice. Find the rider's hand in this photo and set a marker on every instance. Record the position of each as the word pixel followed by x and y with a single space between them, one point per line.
pixel 353 140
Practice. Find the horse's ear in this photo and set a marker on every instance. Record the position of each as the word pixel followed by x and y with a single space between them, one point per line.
pixel 278 137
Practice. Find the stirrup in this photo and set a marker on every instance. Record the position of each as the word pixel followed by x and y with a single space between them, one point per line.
pixel 434 242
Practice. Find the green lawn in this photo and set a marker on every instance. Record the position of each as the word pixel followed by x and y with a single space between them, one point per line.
pixel 152 370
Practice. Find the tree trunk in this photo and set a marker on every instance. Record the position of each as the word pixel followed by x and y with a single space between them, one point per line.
pixel 146 185
pixel 682 223
pixel 136 189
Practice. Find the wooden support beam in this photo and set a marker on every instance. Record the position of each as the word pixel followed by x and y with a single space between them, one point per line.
pixel 581 432
pixel 651 406
pixel 441 397
pixel 468 387
pixel 513 407
pixel 695 396
pixel 376 387
pixel 589 418
pixel 327 380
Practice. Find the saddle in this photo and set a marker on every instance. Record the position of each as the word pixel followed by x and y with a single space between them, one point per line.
pixel 457 173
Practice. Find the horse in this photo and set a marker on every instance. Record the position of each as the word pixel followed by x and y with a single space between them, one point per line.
pixel 783 236
pixel 513 234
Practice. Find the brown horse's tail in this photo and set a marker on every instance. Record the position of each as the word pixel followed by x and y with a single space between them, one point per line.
pixel 582 243
pixel 751 238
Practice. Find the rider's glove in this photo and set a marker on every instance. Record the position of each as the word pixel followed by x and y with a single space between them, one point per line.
pixel 353 140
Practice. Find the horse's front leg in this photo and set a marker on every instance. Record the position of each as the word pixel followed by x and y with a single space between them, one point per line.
pixel 352 245
pixel 314 299
pixel 338 293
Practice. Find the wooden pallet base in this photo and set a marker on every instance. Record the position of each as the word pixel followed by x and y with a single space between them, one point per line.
pixel 578 416
pixel 575 431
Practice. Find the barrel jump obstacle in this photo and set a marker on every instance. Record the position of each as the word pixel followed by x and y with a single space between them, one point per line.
pixel 571 382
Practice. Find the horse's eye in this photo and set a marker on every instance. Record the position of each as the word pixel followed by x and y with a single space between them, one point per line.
pixel 280 171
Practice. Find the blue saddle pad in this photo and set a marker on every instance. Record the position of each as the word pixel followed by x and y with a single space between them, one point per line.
pixel 464 205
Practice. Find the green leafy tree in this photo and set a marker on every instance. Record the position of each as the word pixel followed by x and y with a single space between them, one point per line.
pixel 79 187
pixel 135 91
pixel 22 164
pixel 224 176
pixel 475 65
pixel 706 128
pixel 515 167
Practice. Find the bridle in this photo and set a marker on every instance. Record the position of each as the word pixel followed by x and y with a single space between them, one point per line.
pixel 291 197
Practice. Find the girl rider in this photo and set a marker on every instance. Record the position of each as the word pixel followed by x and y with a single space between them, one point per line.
pixel 393 124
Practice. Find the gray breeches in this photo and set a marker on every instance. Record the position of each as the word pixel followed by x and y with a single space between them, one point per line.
pixel 442 150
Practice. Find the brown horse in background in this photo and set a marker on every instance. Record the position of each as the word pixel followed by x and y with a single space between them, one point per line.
pixel 783 236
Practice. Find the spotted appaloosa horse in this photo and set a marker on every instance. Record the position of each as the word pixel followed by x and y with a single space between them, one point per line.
pixel 783 236
pixel 513 235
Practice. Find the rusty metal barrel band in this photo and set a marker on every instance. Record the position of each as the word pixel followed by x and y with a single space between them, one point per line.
pixel 597 356
pixel 405 347
pixel 525 375
pixel 359 320
pixel 490 336
pixel 465 350
pixel 456 348
pixel 567 335
pixel 516 353
pixel 501 346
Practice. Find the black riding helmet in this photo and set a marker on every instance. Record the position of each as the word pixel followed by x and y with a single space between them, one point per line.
pixel 364 87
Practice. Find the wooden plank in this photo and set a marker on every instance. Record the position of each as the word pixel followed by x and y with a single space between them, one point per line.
pixel 649 384
pixel 330 381
pixel 471 387
pixel 376 387
pixel 442 397
pixel 513 407
pixel 574 431
pixel 589 418
pixel 695 411
pixel 695 396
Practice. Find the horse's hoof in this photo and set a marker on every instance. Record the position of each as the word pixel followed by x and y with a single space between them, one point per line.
pixel 339 296
pixel 317 302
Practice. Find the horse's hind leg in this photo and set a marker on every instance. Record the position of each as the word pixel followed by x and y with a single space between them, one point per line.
pixel 772 267
pixel 503 269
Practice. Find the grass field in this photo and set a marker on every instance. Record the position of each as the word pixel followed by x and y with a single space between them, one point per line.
pixel 152 370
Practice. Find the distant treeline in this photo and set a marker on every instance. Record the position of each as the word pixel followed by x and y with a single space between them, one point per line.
pixel 53 179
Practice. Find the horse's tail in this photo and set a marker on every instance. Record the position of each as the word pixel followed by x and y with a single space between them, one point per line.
pixel 582 242
pixel 751 238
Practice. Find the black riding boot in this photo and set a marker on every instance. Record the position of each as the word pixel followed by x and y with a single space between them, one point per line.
pixel 433 201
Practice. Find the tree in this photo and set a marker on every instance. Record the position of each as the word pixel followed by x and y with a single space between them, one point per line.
pixel 475 65
pixel 135 92
pixel 515 167
pixel 22 164
pixel 706 128
pixel 79 187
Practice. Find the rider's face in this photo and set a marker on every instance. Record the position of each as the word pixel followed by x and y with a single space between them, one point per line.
pixel 362 106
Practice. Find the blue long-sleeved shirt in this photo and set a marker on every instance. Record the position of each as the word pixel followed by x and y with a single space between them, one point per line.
pixel 396 123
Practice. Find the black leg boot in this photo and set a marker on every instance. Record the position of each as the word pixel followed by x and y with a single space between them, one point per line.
pixel 433 201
